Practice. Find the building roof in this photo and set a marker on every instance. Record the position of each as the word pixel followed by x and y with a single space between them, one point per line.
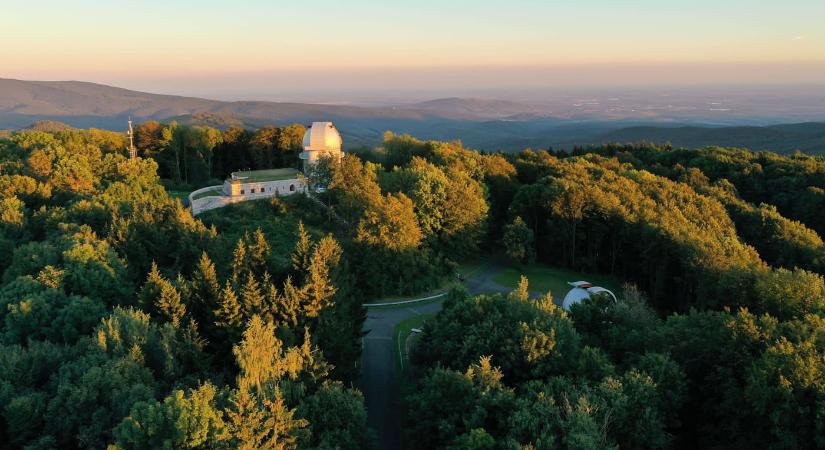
pixel 260 176
pixel 581 291
pixel 322 136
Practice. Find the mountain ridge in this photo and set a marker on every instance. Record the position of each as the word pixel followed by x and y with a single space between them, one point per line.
pixel 484 124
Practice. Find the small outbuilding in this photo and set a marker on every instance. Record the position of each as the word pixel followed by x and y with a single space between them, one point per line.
pixel 581 291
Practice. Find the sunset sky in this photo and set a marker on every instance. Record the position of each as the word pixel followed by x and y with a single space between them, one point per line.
pixel 190 46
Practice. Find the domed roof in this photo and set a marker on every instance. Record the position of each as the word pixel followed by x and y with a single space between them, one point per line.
pixel 322 136
pixel 576 295
pixel 581 291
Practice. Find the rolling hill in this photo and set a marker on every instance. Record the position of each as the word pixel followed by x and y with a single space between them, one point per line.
pixel 483 124
pixel 807 137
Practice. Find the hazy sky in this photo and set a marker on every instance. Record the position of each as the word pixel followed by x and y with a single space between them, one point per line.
pixel 244 48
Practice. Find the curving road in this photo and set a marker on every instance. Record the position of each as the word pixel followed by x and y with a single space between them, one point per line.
pixel 378 373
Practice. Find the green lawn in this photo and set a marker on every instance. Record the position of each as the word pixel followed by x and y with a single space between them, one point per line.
pixel 467 269
pixel 400 334
pixel 261 176
pixel 211 193
pixel 545 278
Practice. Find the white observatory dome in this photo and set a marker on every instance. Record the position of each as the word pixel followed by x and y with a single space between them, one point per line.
pixel 582 290
pixel 322 137
pixel 320 140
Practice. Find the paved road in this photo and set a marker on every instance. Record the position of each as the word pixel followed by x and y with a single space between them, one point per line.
pixel 378 373
pixel 378 377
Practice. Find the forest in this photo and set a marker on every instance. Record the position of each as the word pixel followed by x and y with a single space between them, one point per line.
pixel 127 323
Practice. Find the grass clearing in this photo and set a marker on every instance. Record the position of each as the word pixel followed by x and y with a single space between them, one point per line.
pixel 260 176
pixel 210 193
pixel 467 270
pixel 472 268
pixel 400 335
pixel 545 278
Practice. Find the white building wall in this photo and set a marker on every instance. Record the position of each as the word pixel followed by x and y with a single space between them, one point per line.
pixel 261 190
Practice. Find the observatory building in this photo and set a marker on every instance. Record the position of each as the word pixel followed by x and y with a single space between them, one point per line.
pixel 581 291
pixel 320 140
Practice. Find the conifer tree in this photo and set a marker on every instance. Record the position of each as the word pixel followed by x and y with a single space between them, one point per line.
pixel 252 299
pixel 228 314
pixel 150 290
pixel 289 308
pixel 258 416
pixel 318 285
pixel 258 355
pixel 262 423
pixel 206 290
pixel 169 304
pixel 303 250
pixel 257 251
pixel 159 295
pixel 240 264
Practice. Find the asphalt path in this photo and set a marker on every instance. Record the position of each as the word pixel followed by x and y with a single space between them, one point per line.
pixel 379 380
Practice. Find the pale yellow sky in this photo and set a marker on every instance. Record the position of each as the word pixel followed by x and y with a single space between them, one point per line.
pixel 118 41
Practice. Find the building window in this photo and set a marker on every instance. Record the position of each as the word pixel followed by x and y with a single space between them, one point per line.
pixel 291 187
pixel 252 191
pixel 242 192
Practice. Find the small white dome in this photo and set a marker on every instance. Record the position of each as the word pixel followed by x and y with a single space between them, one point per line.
pixel 322 136
pixel 576 295
pixel 581 291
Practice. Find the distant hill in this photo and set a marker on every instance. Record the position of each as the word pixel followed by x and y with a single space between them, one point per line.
pixel 482 124
pixel 807 137
pixel 83 105
pixel 51 126
pixel 81 99
pixel 216 120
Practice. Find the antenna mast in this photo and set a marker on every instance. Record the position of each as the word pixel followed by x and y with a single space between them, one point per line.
pixel 131 134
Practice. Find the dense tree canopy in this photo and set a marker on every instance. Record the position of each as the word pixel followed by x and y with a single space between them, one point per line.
pixel 125 322
pixel 731 355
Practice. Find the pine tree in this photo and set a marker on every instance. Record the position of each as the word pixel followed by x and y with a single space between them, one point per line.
pixel 302 252
pixel 150 290
pixel 160 296
pixel 319 287
pixel 263 360
pixel 272 302
pixel 259 422
pixel 258 355
pixel 206 290
pixel 228 314
pixel 252 300
pixel 240 264
pixel 289 308
pixel 184 288
pixel 169 304
pixel 258 252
